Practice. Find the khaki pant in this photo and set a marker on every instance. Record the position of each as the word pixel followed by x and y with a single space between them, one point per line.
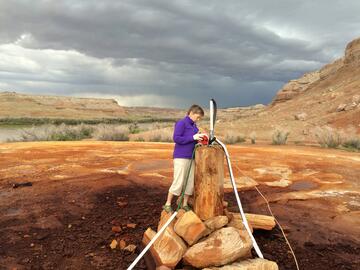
pixel 181 167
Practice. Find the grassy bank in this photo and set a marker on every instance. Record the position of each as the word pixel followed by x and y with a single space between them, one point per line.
pixel 28 121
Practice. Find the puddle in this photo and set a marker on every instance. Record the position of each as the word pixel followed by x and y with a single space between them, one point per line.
pixel 303 185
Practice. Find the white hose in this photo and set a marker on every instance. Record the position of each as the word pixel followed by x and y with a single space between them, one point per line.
pixel 244 220
pixel 152 241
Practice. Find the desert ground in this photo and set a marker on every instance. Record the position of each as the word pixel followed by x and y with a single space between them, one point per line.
pixel 82 189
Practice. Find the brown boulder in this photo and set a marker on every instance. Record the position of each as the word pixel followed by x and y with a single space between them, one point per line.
pixel 300 116
pixel 221 247
pixel 190 227
pixel 251 264
pixel 163 267
pixel 216 223
pixel 168 249
pixel 341 107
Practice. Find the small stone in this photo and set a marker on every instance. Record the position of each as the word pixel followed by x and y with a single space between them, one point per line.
pixel 131 225
pixel 356 99
pixel 341 107
pixel 350 106
pixel 116 229
pixel 122 244
pixel 300 116
pixel 130 248
pixel 122 204
pixel 69 226
pixel 113 244
pixel 32 244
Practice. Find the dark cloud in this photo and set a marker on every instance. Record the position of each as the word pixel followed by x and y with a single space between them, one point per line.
pixel 169 53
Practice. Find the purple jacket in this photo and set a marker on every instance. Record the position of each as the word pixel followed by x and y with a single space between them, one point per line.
pixel 184 131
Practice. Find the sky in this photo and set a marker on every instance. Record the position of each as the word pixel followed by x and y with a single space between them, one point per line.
pixel 169 53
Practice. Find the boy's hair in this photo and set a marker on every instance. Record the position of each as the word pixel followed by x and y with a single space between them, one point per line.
pixel 196 109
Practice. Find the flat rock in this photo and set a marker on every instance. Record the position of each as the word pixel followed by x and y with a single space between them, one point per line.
pixel 250 264
pixel 242 183
pixel 221 247
pixel 190 227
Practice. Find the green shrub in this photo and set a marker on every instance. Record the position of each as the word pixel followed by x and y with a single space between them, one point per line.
pixel 155 138
pixel 161 135
pixel 134 128
pixel 55 133
pixel 253 137
pixel 280 137
pixel 328 137
pixel 352 144
pixel 104 132
pixel 233 139
pixel 139 139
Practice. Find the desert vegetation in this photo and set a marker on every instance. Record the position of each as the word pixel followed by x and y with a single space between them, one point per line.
pixel 61 132
pixel 152 132
pixel 329 137
pixel 252 137
pixel 233 138
pixel 280 137
pixel 9 121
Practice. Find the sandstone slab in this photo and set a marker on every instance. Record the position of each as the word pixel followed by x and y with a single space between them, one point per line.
pixel 190 227
pixel 250 264
pixel 168 249
pixel 216 223
pixel 221 247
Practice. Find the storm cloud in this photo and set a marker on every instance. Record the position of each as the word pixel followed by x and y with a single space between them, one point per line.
pixel 169 53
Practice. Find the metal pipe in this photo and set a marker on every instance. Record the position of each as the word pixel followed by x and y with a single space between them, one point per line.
pixel 211 120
